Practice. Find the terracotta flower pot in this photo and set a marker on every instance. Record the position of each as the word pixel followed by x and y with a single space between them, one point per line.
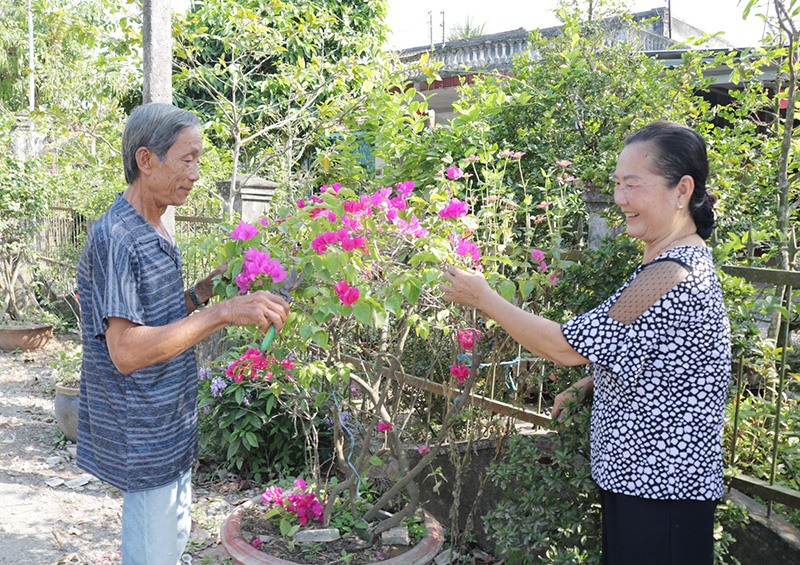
pixel 25 337
pixel 66 408
pixel 243 553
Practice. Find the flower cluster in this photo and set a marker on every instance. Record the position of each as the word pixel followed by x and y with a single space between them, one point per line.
pixel 299 501
pixel 347 294
pixel 322 241
pixel 454 209
pixel 257 263
pixel 460 372
pixel 250 363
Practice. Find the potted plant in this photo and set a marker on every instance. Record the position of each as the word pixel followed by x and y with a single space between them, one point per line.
pixel 25 193
pixel 67 391
pixel 370 266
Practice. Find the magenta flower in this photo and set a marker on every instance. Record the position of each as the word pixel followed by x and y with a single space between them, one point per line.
pixel 398 202
pixel 423 449
pixel 460 372
pixel 454 173
pixel 363 208
pixel 467 338
pixel 411 227
pixel 384 426
pixel 301 203
pixel 347 294
pixel 466 247
pixel 454 209
pixel 273 495
pixel 542 266
pixel 405 188
pixel 352 223
pixel 256 542
pixel 244 231
pixel 300 483
pixel 537 255
pixel 553 278
pixel 472 158
pixel 318 244
pixel 545 205
pixel 333 188
pixel 512 154
pixel 287 363
pixel 563 163
pixel 264 222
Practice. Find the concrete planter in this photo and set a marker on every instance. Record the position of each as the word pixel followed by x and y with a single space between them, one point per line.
pixel 243 553
pixel 25 337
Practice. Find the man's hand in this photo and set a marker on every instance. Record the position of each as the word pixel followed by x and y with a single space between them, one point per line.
pixel 259 308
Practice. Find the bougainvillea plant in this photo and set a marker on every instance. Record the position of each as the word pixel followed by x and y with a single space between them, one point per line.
pixel 371 263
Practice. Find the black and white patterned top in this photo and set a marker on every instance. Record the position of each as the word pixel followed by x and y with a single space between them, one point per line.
pixel 660 347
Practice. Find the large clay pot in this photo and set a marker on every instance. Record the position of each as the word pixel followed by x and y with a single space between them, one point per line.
pixel 25 337
pixel 243 553
pixel 66 408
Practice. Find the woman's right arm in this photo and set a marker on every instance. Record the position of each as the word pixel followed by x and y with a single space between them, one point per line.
pixel 538 335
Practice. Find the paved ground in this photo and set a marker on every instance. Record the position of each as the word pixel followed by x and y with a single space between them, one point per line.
pixel 50 511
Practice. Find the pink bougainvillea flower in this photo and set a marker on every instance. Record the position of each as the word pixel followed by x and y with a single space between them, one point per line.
pixel 563 163
pixel 472 158
pixel 542 266
pixel 256 542
pixel 333 188
pixel 467 338
pixel 300 483
pixel 353 224
pixel 467 247
pixel 301 203
pixel 454 209
pixel 460 372
pixel 247 365
pixel 545 205
pixel 454 173
pixel 537 255
pixel 491 198
pixel 411 227
pixel 347 294
pixel 553 278
pixel 331 216
pixel 384 426
pixel 244 231
pixel 363 208
pixel 512 154
pixel 398 202
pixel 380 197
pixel 273 495
pixel 405 188
pixel 287 363
pixel 318 244
pixel 263 222
pixel 538 219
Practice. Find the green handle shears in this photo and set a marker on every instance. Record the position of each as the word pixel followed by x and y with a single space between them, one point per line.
pixel 291 282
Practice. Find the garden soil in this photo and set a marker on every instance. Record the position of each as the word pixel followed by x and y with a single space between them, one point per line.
pixel 51 512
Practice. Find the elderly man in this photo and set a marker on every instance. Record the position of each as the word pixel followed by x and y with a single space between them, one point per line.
pixel 138 405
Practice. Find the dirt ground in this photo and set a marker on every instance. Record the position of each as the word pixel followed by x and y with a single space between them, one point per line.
pixel 50 511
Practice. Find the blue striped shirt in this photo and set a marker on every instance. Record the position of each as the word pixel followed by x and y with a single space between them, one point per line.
pixel 136 431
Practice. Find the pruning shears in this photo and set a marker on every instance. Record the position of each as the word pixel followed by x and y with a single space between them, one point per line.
pixel 290 284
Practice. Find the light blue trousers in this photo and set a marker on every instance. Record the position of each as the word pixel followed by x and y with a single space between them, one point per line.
pixel 156 523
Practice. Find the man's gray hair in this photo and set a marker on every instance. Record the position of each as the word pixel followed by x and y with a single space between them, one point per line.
pixel 156 127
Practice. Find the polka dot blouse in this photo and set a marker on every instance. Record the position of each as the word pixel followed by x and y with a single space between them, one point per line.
pixel 660 349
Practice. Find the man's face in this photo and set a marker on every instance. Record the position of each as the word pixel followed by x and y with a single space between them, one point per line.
pixel 172 180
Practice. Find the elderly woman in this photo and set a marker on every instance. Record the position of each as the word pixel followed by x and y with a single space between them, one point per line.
pixel 660 350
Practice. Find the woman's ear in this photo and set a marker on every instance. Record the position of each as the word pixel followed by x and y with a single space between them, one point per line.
pixel 685 189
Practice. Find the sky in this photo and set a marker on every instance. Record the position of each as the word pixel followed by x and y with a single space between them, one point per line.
pixel 408 19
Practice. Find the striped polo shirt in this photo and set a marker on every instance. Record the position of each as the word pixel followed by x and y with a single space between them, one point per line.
pixel 136 431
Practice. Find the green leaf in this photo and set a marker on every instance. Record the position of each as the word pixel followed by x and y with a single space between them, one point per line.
pixel 251 439
pixel 363 312
pixel 507 289
pixel 411 290
pixel 375 460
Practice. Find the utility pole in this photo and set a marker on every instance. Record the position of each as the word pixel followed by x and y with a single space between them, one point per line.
pixel 31 63
pixel 157 65
pixel 442 27
pixel 669 18
pixel 430 26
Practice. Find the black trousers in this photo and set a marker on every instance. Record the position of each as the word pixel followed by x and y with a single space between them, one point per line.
pixel 639 531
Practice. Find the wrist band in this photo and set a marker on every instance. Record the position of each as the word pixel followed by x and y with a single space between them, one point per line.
pixel 195 298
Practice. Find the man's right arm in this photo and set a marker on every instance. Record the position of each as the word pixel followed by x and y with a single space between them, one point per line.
pixel 133 346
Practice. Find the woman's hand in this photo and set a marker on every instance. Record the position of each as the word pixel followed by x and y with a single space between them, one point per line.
pixel 462 287
pixel 579 390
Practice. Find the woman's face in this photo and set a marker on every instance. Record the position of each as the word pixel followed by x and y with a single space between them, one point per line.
pixel 649 205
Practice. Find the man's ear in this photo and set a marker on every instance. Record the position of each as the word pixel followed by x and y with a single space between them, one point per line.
pixel 144 159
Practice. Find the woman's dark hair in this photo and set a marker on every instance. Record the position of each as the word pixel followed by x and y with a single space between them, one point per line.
pixel 681 151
